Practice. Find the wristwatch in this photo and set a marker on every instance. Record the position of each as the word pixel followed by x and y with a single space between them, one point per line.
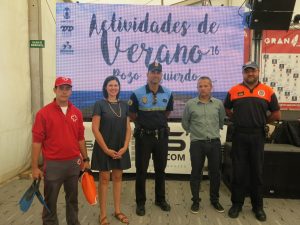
pixel 87 159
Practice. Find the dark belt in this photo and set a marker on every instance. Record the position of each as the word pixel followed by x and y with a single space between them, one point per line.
pixel 210 140
pixel 158 133
pixel 151 131
pixel 249 129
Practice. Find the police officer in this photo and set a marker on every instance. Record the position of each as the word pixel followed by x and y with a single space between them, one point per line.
pixel 149 108
pixel 250 105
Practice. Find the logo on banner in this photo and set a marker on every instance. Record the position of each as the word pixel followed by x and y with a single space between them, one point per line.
pixel 66 30
pixel 283 41
pixel 67 13
pixel 66 49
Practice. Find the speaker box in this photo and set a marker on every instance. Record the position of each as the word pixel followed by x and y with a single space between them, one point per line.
pixel 272 5
pixel 262 20
pixel 269 14
pixel 281 174
pixel 281 170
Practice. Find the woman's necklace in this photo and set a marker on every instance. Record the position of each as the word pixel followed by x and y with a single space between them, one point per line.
pixel 113 111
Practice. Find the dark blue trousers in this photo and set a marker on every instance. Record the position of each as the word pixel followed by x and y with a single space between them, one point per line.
pixel 247 161
pixel 144 147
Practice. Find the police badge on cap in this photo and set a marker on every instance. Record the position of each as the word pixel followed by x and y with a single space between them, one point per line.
pixel 155 67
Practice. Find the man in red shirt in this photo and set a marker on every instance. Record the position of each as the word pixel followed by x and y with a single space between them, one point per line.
pixel 59 133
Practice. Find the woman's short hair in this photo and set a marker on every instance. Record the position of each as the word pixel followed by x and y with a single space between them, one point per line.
pixel 105 83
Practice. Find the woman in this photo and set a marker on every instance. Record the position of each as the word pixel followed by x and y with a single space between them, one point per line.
pixel 111 128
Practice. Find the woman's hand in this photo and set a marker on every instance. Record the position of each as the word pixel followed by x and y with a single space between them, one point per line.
pixel 121 152
pixel 112 153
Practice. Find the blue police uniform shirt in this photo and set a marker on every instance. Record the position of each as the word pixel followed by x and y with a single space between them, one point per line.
pixel 150 107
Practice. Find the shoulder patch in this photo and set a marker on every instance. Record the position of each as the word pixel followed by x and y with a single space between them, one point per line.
pixel 130 102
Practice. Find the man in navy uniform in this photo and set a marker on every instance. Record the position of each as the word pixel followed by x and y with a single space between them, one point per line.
pixel 149 108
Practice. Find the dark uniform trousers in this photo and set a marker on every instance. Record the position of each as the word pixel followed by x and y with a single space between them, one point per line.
pixel 144 146
pixel 247 161
pixel 58 173
pixel 198 151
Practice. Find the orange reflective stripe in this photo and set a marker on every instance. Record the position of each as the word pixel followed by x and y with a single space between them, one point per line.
pixel 261 91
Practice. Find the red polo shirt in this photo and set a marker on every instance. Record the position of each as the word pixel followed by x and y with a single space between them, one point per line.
pixel 58 133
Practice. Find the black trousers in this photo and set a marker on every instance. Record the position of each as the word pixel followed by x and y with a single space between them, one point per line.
pixel 144 146
pixel 58 173
pixel 247 161
pixel 198 151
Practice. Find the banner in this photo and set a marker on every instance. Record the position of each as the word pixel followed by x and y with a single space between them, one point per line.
pixel 280 67
pixel 95 41
pixel 178 152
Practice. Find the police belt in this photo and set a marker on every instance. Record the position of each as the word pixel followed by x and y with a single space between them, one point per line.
pixel 152 132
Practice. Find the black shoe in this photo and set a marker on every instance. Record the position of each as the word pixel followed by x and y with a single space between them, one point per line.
pixel 163 205
pixel 195 207
pixel 218 207
pixel 234 211
pixel 260 214
pixel 140 210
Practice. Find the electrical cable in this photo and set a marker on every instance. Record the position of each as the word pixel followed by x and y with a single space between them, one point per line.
pixel 240 9
pixel 50 11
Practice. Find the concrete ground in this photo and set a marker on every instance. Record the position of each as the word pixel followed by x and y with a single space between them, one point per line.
pixel 279 211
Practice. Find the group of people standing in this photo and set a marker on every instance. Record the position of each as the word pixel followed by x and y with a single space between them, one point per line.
pixel 59 133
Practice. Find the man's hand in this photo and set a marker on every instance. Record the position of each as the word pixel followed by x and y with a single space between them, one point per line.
pixel 86 165
pixel 36 173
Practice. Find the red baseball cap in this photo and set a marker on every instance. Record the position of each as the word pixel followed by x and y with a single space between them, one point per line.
pixel 63 80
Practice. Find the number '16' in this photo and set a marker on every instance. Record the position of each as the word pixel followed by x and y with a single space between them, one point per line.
pixel 215 50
